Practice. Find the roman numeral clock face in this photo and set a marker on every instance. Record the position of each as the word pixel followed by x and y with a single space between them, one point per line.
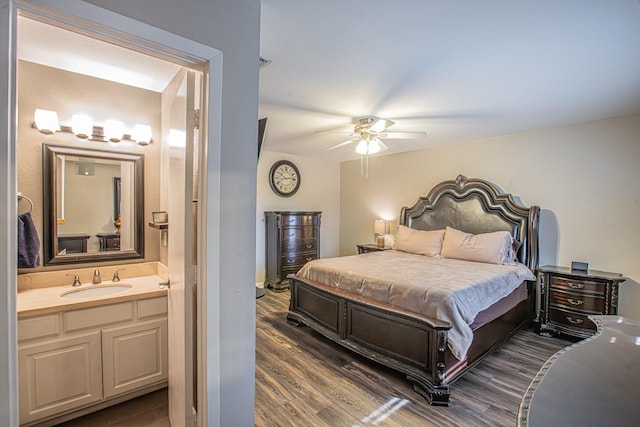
pixel 284 178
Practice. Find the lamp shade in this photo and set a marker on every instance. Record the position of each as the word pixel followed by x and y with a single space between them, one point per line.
pixel 380 226
pixel 142 134
pixel 46 121
pixel 82 125
pixel 113 130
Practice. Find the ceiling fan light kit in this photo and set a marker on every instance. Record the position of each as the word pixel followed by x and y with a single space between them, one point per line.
pixel 369 132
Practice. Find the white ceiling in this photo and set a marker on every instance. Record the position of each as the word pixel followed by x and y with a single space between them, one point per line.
pixel 459 70
pixel 58 48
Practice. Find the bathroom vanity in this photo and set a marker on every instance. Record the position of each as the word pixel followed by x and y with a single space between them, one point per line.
pixel 78 352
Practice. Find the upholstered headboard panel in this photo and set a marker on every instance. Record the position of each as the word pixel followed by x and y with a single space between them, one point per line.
pixel 476 206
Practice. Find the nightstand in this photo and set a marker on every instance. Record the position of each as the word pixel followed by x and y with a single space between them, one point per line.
pixel 569 296
pixel 364 248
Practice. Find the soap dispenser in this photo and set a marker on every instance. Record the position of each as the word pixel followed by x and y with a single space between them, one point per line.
pixel 96 277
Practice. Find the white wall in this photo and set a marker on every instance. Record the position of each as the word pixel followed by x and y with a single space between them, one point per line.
pixel 319 191
pixel 583 177
pixel 233 27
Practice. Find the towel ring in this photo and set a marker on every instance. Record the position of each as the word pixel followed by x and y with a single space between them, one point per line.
pixel 20 197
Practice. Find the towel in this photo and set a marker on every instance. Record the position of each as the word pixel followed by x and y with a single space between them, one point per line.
pixel 28 242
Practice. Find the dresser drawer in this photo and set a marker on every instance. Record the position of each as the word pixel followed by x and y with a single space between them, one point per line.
pixel 591 304
pixel 577 285
pixel 297 260
pixel 290 234
pixel 298 220
pixel 299 247
pixel 571 319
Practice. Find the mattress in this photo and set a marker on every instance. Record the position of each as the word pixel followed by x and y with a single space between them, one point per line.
pixel 447 289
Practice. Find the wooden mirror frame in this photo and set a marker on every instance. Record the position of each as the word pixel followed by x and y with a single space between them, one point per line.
pixel 50 226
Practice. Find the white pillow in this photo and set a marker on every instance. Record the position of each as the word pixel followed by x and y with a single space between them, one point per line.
pixel 493 248
pixel 418 242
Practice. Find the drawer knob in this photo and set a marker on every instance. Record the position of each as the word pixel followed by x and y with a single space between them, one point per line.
pixel 574 321
pixel 575 301
pixel 575 285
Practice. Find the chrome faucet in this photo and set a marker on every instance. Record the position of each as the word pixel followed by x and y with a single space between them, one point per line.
pixel 116 277
pixel 76 279
pixel 96 277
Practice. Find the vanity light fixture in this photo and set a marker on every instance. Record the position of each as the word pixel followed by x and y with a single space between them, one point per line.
pixel 82 126
pixel 113 130
pixel 46 121
pixel 142 134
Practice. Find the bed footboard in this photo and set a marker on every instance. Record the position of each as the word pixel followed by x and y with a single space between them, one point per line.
pixel 407 342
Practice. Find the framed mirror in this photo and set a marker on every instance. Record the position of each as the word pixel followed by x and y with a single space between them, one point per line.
pixel 93 205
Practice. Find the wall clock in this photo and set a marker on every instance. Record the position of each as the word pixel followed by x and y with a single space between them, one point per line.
pixel 284 178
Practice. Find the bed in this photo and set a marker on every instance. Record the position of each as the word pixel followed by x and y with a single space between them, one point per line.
pixel 340 299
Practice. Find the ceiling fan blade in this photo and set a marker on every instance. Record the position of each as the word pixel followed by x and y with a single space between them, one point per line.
pixel 329 132
pixel 342 144
pixel 403 135
pixel 383 146
pixel 380 125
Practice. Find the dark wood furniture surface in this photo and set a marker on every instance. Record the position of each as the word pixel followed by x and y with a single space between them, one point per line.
pixel 364 248
pixel 109 241
pixel 591 383
pixel 73 243
pixel 411 343
pixel 292 239
pixel 570 296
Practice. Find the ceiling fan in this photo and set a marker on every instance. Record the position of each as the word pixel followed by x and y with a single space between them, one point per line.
pixel 369 132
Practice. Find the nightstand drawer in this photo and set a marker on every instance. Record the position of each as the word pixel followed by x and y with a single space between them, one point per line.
pixel 577 285
pixel 569 296
pixel 571 319
pixel 590 304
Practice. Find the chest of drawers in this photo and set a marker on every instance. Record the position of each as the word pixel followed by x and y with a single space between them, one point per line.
pixel 292 239
pixel 569 296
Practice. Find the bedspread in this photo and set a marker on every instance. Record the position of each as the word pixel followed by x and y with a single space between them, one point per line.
pixel 447 289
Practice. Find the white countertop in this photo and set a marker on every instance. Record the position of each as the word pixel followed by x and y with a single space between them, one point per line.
pixel 48 300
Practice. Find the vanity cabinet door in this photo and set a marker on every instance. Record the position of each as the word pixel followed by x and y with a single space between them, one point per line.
pixel 59 375
pixel 134 356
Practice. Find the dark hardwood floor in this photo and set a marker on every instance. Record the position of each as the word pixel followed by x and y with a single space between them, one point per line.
pixel 303 379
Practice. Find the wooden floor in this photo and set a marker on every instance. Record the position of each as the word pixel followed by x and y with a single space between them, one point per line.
pixel 303 379
pixel 150 410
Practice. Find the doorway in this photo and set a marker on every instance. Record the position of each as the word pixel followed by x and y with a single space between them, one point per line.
pixel 136 48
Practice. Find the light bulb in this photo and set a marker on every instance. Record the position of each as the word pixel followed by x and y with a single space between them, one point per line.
pixel 82 125
pixel 46 121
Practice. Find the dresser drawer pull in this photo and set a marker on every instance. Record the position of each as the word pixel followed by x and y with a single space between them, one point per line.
pixel 309 258
pixel 292 234
pixel 574 321
pixel 575 285
pixel 309 246
pixel 292 220
pixel 575 301
pixel 290 261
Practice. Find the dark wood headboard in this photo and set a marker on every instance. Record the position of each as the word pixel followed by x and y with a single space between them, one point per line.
pixel 476 206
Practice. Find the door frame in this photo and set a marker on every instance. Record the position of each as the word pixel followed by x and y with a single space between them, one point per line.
pixel 100 23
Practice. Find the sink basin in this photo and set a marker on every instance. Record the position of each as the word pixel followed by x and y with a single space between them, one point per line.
pixel 95 291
